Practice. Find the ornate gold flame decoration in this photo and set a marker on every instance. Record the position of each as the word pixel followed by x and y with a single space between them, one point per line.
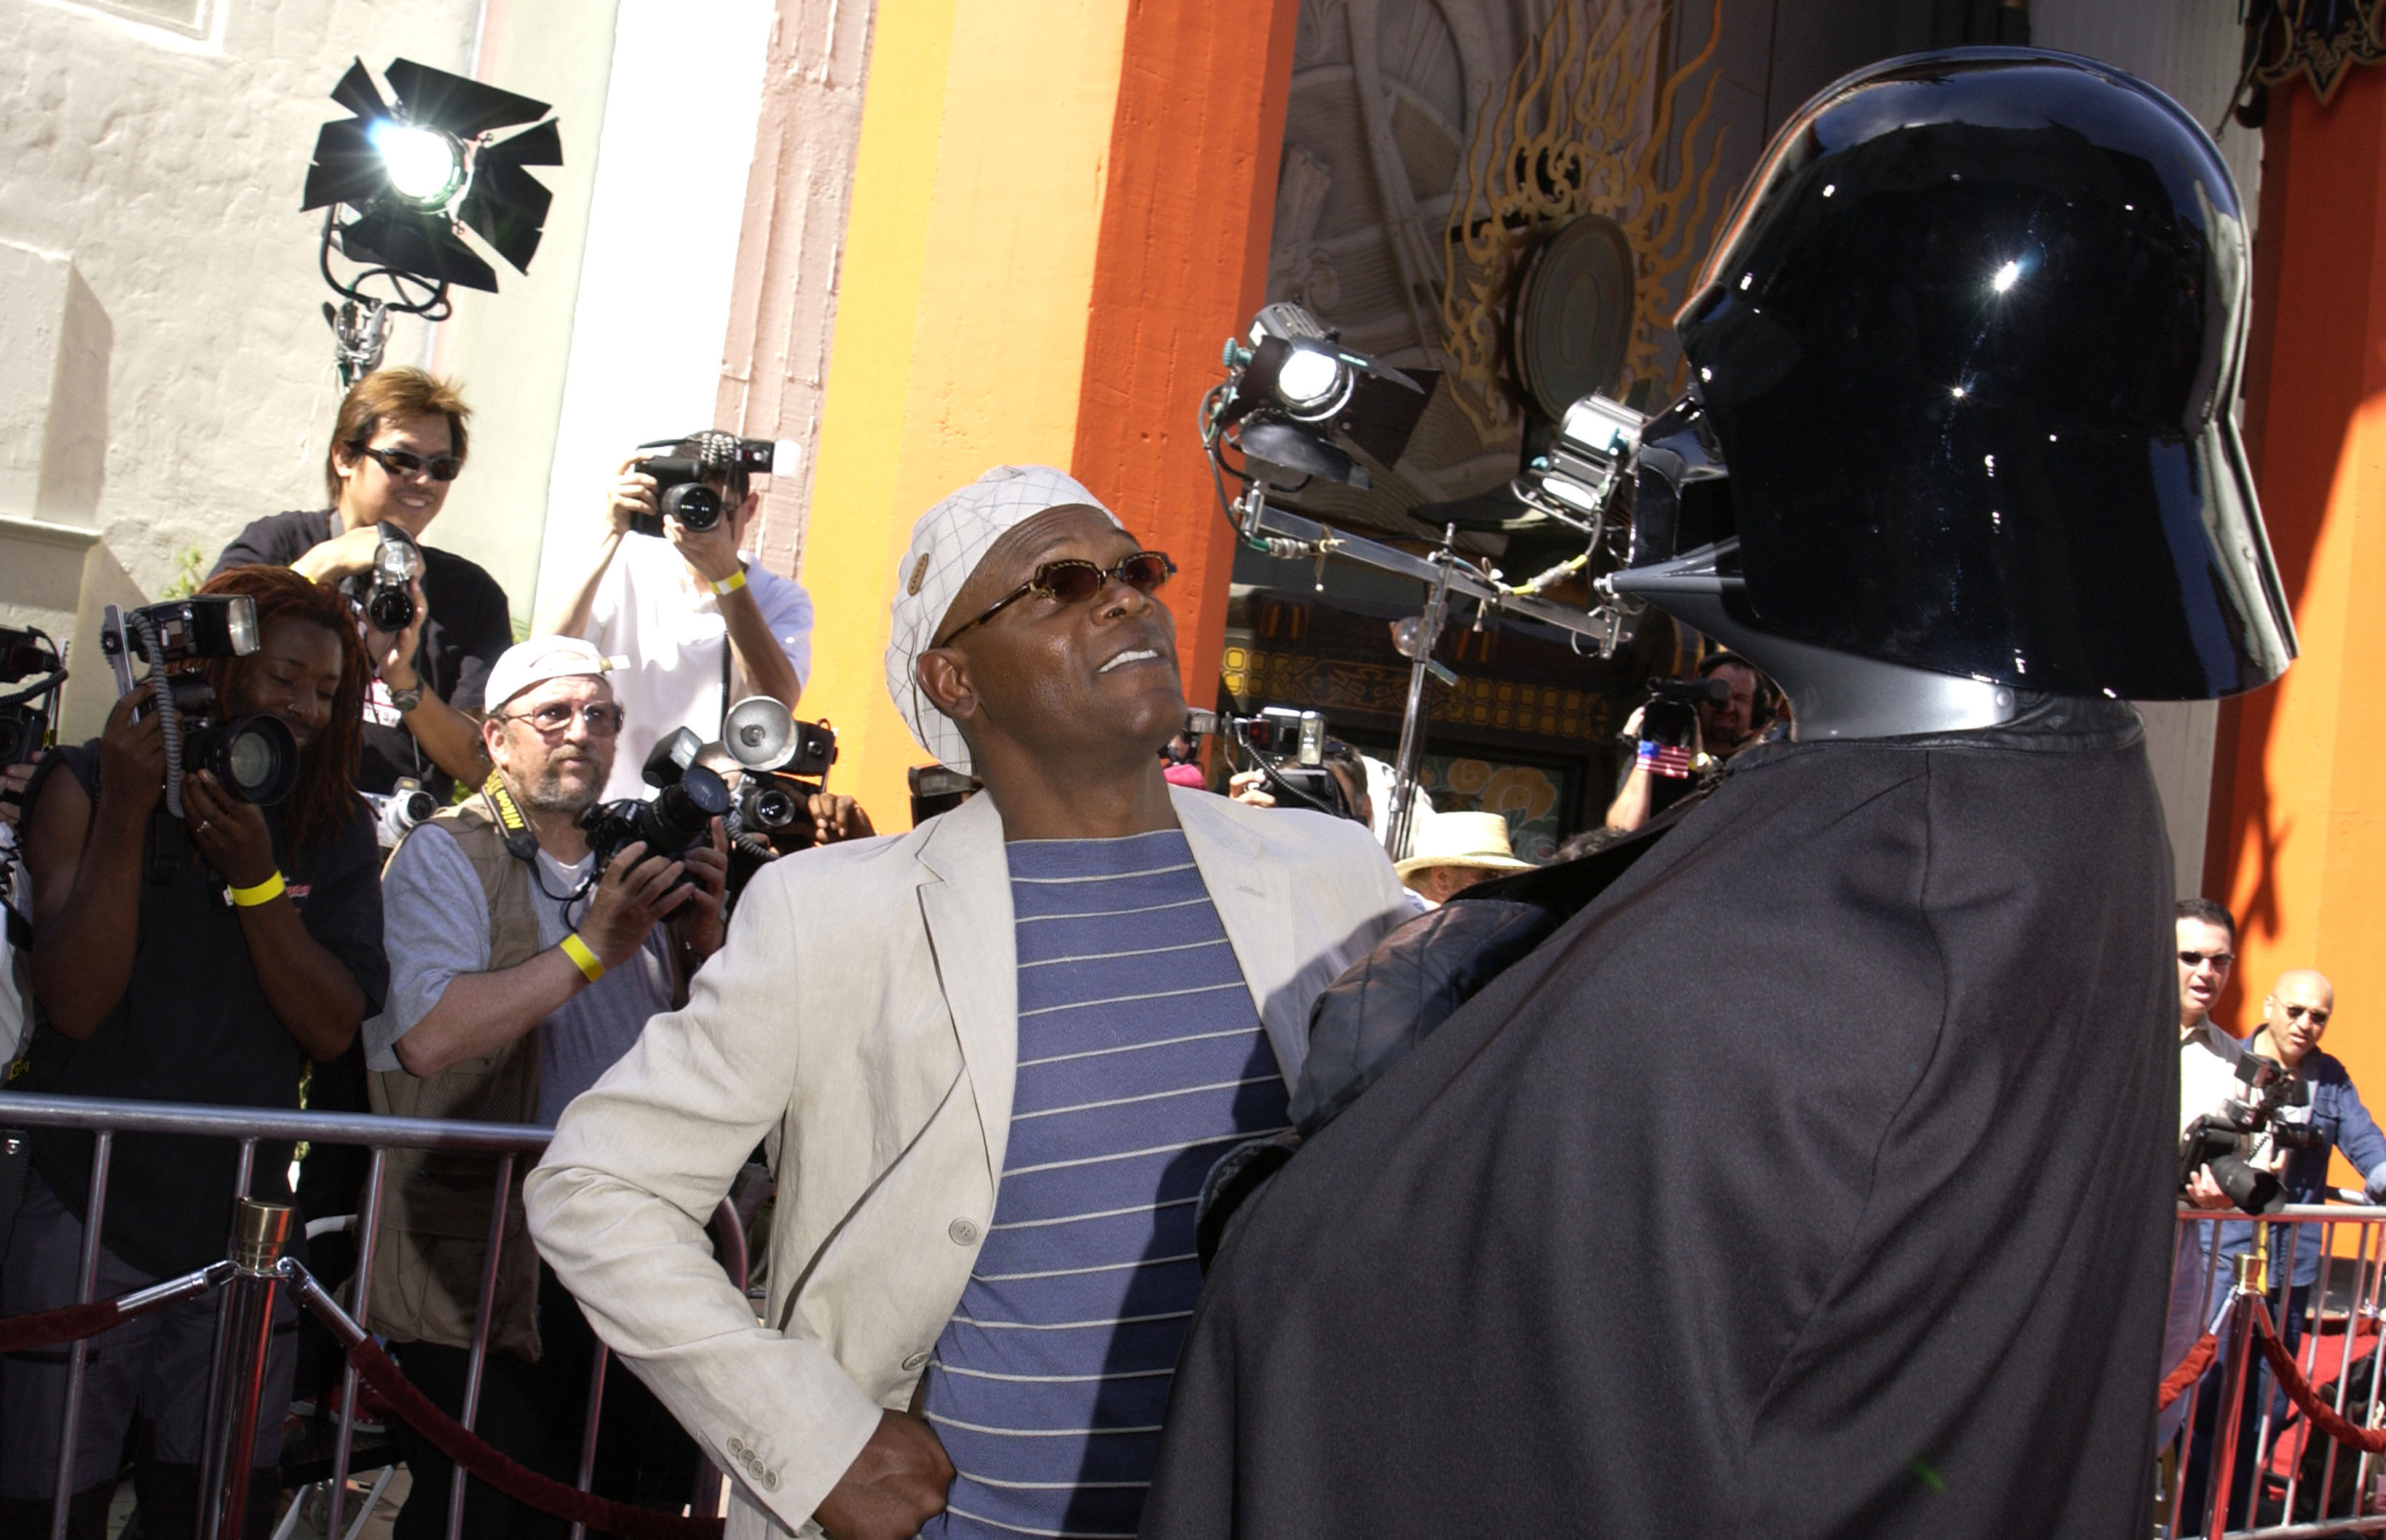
pixel 1568 138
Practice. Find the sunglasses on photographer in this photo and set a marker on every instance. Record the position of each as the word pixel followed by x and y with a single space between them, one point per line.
pixel 1075 580
pixel 405 462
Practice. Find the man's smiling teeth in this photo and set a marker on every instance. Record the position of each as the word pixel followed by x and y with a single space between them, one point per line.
pixel 1136 656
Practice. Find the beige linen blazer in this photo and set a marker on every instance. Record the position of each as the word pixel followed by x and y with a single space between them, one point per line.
pixel 863 1019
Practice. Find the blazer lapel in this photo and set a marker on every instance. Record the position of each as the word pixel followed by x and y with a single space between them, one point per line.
pixel 1253 899
pixel 967 910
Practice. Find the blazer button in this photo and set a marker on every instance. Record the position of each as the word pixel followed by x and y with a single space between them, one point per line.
pixel 738 1448
pixel 964 1231
pixel 769 1481
pixel 915 1360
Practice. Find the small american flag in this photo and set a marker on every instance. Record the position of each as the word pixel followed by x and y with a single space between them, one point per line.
pixel 1666 760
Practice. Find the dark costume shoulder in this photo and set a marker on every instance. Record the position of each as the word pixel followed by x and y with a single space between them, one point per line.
pixel 1813 1180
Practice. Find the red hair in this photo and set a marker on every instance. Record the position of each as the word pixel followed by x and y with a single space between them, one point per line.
pixel 325 795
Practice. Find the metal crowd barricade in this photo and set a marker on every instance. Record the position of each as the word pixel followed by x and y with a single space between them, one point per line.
pixel 2296 1480
pixel 248 1290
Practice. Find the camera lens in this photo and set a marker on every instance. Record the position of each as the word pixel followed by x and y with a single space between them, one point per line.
pixel 390 610
pixel 695 505
pixel 682 813
pixel 772 808
pixel 255 757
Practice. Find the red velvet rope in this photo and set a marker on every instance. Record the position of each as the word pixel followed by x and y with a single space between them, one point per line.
pixel 18 1332
pixel 2323 1416
pixel 2191 1368
pixel 518 1482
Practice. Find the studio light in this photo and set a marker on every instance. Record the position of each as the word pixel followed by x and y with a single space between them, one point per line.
pixel 1294 389
pixel 425 168
pixel 402 180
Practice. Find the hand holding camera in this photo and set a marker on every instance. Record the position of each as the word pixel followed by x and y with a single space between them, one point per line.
pixel 347 554
pixel 634 892
pixel 393 652
pixel 132 757
pixel 229 833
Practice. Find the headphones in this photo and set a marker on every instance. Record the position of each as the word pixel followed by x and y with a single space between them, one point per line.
pixel 1764 705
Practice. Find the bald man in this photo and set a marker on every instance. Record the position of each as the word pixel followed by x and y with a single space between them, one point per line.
pixel 2295 1015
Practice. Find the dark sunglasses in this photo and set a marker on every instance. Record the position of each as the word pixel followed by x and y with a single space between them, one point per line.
pixel 2197 959
pixel 405 462
pixel 2318 1014
pixel 1075 580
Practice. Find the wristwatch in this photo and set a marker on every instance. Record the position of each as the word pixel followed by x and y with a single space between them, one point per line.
pixel 406 700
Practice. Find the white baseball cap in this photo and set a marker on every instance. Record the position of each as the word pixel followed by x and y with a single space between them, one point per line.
pixel 538 660
pixel 946 544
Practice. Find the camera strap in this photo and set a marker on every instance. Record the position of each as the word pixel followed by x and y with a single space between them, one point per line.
pixel 522 843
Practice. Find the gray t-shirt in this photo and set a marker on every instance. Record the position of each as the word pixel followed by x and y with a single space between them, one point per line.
pixel 436 924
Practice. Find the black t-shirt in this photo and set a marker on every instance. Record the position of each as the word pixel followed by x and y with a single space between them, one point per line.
pixel 470 625
pixel 193 1026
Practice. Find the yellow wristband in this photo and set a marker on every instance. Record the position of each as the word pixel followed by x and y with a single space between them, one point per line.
pixel 265 892
pixel 731 584
pixel 582 958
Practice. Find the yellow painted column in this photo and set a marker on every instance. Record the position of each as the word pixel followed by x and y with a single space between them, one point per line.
pixel 964 296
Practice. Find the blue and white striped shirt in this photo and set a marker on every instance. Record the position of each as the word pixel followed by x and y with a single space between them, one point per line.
pixel 1141 1059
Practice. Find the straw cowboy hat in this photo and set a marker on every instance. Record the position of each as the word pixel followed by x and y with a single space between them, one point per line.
pixel 1461 839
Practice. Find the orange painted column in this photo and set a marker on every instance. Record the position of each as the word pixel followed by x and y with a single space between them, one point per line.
pixel 2299 803
pixel 1182 267
pixel 1061 209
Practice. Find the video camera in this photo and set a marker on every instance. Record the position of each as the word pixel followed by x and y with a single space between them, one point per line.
pixel 690 481
pixel 382 591
pixel 689 796
pixel 1671 718
pixel 1287 746
pixel 2221 1140
pixel 31 673
pixel 255 757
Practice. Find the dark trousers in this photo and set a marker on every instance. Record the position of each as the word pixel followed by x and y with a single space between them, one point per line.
pixel 534 1412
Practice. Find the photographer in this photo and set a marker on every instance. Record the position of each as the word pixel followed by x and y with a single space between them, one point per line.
pixel 251 946
pixel 1664 772
pixel 700 619
pixel 518 974
pixel 397 443
pixel 2295 1015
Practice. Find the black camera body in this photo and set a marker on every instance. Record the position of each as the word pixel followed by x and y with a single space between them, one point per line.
pixel 677 818
pixel 31 673
pixel 254 757
pixel 1288 745
pixel 935 788
pixel 704 474
pixel 777 808
pixel 2220 1140
pixel 1671 718
pixel 384 592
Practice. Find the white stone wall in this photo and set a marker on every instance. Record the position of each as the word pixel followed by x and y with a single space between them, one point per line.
pixel 154 168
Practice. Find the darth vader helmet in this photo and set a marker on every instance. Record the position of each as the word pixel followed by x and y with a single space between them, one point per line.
pixel 1959 427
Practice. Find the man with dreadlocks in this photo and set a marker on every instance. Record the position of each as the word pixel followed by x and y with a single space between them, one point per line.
pixel 200 959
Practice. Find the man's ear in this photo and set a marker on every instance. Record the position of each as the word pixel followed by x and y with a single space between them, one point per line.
pixel 943 676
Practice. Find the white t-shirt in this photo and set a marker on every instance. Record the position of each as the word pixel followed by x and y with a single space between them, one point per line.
pixel 2207 1073
pixel 652 610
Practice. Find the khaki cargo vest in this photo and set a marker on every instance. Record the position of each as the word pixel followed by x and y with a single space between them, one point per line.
pixel 433 1236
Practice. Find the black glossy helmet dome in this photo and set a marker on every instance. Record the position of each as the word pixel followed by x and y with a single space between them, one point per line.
pixel 1967 346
